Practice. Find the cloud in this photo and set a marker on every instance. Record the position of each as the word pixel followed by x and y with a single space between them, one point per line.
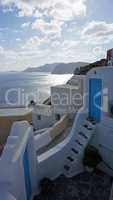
pixel 70 44
pixel 1 50
pixel 18 39
pixel 32 54
pixel 25 25
pixel 66 10
pixel 98 32
pixel 60 10
pixel 49 15
pixel 47 28
pixel 22 58
pixel 63 10
pixel 55 44
pixel 32 43
pixel 58 36
pixel 25 9
pixel 98 51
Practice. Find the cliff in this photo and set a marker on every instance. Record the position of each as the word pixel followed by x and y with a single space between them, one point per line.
pixel 85 69
pixel 57 68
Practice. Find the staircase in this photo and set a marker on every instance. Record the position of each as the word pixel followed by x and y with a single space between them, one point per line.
pixel 73 164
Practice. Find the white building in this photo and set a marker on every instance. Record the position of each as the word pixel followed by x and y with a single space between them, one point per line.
pixel 23 166
pixel 68 98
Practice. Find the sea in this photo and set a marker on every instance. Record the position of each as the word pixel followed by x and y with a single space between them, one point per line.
pixel 19 88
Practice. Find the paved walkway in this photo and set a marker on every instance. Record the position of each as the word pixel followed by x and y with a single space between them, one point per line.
pixel 82 187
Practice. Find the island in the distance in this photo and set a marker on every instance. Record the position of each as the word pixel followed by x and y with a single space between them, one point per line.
pixel 57 68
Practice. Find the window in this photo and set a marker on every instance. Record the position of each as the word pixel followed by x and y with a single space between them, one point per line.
pixel 57 117
pixel 39 117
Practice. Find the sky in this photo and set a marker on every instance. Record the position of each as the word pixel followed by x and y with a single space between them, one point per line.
pixel 36 32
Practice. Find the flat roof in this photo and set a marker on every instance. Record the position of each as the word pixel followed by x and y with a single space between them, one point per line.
pixel 67 86
pixel 6 112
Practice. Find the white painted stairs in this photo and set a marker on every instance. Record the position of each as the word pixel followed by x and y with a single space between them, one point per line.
pixel 82 137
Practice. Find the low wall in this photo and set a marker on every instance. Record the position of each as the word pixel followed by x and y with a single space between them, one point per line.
pixel 59 127
pixel 6 124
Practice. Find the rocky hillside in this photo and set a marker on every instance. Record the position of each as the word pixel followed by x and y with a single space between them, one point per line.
pixel 67 68
pixel 85 69
pixel 57 68
pixel 44 68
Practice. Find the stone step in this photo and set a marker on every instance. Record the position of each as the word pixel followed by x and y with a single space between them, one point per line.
pixel 70 158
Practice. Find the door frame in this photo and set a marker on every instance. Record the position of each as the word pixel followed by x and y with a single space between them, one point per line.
pixel 95 112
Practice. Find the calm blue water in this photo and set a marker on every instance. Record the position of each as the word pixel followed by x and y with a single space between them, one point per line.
pixel 19 88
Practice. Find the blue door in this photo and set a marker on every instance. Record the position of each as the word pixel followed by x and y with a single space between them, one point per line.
pixel 27 175
pixel 95 90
